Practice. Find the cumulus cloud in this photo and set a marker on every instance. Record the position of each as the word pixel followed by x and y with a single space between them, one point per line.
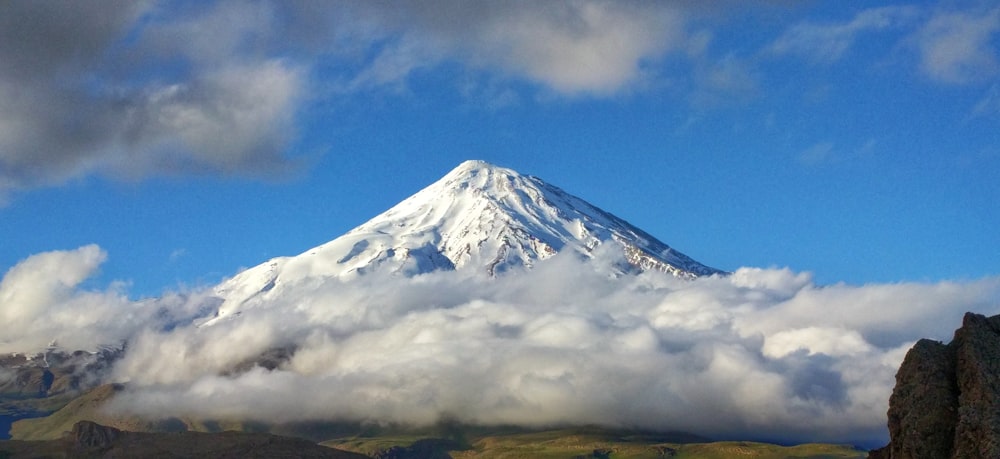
pixel 90 88
pixel 42 303
pixel 763 353
pixel 215 87
pixel 39 303
pixel 154 88
pixel 593 47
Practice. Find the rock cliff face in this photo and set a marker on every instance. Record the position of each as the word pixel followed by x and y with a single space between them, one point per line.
pixel 946 403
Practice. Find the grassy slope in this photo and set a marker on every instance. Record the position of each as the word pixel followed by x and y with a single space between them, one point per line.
pixel 444 441
pixel 51 427
pixel 588 443
pixel 177 445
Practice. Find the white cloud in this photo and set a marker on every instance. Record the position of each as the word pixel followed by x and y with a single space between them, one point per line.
pixel 42 302
pixel 590 47
pixel 38 281
pixel 989 104
pixel 723 81
pixel 958 46
pixel 826 43
pixel 819 153
pixel 816 340
pixel 176 254
pixel 135 91
pixel 583 47
pixel 232 119
pixel 762 353
pixel 214 88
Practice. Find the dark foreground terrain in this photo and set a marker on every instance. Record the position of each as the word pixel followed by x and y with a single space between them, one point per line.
pixel 92 440
pixel 89 439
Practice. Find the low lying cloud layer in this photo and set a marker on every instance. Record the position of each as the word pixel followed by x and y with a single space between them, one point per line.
pixel 763 353
pixel 43 303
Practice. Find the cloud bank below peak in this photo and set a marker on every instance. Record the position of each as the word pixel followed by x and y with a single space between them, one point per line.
pixel 763 353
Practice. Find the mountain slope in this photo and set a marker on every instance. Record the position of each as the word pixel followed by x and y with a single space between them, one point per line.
pixel 477 217
pixel 89 439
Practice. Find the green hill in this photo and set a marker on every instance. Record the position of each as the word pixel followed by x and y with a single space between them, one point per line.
pixel 580 443
pixel 447 440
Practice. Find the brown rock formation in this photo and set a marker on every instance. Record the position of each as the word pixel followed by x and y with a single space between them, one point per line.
pixel 946 403
pixel 978 366
pixel 88 435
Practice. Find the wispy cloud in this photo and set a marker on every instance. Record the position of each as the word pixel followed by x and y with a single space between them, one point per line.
pixel 827 43
pixel 724 81
pixel 819 153
pixel 958 46
pixel 989 104
pixel 177 254
pixel 954 46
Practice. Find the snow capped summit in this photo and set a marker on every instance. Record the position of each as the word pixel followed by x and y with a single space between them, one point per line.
pixel 477 217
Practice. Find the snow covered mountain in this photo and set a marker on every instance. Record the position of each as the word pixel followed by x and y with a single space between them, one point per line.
pixel 477 217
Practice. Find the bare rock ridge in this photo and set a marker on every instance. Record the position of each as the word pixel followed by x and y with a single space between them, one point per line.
pixel 946 403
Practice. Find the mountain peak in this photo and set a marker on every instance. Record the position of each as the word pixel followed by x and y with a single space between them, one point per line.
pixel 473 168
pixel 477 174
pixel 478 217
pixel 473 164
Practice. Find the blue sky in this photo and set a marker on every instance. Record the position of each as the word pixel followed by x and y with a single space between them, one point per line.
pixel 859 142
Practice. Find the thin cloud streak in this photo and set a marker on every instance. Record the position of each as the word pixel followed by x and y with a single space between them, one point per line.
pixel 827 43
pixel 958 46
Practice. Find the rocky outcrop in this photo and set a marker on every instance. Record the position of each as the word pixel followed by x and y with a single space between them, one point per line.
pixel 91 435
pixel 978 366
pixel 946 403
